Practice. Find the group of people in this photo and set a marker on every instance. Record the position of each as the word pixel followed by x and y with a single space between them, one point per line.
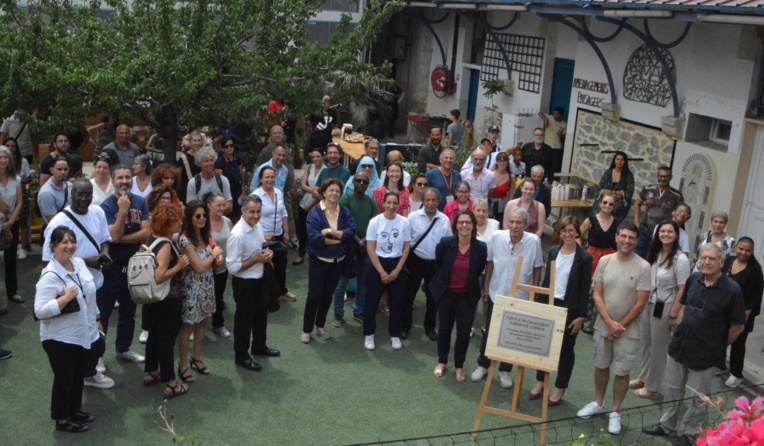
pixel 456 235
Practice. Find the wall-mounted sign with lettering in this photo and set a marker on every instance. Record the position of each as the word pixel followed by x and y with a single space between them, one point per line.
pixel 586 98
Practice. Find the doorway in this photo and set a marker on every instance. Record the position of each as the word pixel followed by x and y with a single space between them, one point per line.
pixel 473 94
pixel 752 221
pixel 562 85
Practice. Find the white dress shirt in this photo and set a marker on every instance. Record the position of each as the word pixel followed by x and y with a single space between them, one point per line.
pixel 79 327
pixel 419 222
pixel 273 211
pixel 479 186
pixel 244 242
pixel 505 256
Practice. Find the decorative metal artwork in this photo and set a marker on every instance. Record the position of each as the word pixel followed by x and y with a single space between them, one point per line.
pixel 526 57
pixel 645 80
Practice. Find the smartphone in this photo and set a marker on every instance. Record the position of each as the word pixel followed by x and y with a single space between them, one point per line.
pixel 658 310
pixel 103 259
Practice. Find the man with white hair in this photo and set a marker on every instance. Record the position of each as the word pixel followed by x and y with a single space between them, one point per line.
pixel 481 180
pixel 208 181
pixel 504 251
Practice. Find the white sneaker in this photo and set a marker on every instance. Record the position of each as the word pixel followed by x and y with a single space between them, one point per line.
pixel 100 367
pixel 345 298
pixel 396 343
pixel 614 424
pixel 591 409
pixel 191 337
pixel 505 380
pixel 222 331
pixel 143 337
pixel 733 381
pixel 131 356
pixel 368 342
pixel 99 381
pixel 22 254
pixel 116 304
pixel 479 374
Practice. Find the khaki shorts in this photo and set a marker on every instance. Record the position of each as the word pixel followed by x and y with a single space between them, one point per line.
pixel 618 354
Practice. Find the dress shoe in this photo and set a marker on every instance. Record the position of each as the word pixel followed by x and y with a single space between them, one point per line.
pixel 71 427
pixel 404 335
pixel 432 334
pixel 83 417
pixel 250 365
pixel 273 353
pixel 656 430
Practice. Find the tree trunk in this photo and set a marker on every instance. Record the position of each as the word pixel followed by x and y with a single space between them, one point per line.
pixel 170 136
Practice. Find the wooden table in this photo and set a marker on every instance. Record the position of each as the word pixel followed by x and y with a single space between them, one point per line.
pixel 575 203
pixel 569 207
pixel 353 150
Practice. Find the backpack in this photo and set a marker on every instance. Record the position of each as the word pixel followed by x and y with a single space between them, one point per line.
pixel 140 275
pixel 198 182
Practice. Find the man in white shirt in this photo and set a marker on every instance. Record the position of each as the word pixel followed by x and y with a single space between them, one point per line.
pixel 421 264
pixel 504 251
pixel 487 148
pixel 245 257
pixel 93 220
pixel 481 180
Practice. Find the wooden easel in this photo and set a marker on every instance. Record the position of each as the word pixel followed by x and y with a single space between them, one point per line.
pixel 518 390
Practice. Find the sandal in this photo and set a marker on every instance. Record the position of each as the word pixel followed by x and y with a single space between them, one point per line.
pixel 17 299
pixel 460 378
pixel 185 375
pixel 440 369
pixel 194 363
pixel 298 261
pixel 384 309
pixel 177 390
pixel 636 384
pixel 151 379
pixel 646 394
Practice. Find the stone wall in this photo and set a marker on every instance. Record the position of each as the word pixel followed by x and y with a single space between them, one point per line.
pixel 594 134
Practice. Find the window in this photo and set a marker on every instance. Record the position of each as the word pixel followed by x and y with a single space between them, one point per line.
pixel 526 58
pixel 341 5
pixel 320 32
pixel 708 132
pixel 720 132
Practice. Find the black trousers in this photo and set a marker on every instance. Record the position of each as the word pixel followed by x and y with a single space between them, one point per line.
pixel 250 318
pixel 737 354
pixel 221 280
pixel 418 270
pixel 68 364
pixel 97 349
pixel 280 265
pixel 454 307
pixel 483 360
pixel 9 259
pixel 302 229
pixel 163 320
pixel 374 291
pixel 567 353
pixel 323 278
pixel 115 289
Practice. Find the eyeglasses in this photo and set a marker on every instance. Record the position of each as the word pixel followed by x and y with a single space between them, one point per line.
pixel 421 184
pixel 165 198
pixel 683 214
pixel 361 181
pixel 463 223
pixel 228 145
pixel 200 216
pixel 608 203
pixel 567 231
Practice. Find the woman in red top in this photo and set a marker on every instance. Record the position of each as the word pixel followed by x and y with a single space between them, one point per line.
pixel 463 201
pixel 393 183
pixel 505 187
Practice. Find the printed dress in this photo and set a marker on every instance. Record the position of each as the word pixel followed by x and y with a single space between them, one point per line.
pixel 198 289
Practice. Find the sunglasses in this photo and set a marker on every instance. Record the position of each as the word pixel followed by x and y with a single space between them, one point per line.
pixel 608 203
pixel 200 216
pixel 421 184
pixel 367 166
pixel 361 181
pixel 103 158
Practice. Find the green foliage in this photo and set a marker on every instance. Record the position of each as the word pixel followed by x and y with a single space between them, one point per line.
pixel 175 63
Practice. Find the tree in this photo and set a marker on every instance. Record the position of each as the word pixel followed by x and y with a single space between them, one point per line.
pixel 174 62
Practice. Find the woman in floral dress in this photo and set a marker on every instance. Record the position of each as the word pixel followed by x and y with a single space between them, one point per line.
pixel 198 285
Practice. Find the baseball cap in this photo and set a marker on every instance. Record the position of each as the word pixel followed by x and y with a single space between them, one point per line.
pixel 493 128
pixel 486 140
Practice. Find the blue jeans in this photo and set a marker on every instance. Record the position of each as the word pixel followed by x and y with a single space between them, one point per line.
pixel 643 243
pixel 360 293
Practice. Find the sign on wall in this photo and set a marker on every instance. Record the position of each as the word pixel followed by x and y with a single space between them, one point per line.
pixel 645 80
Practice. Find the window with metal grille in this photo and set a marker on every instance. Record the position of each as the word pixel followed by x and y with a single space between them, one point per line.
pixel 526 57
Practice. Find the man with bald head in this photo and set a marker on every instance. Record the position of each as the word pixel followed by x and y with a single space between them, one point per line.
pixel 481 180
pixel 125 150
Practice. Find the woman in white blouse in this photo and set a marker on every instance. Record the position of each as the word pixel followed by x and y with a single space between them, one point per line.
pixel 142 178
pixel 220 229
pixel 65 303
pixel 307 184
pixel 275 224
pixel 485 229
pixel 669 269
pixel 10 208
pixel 102 185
